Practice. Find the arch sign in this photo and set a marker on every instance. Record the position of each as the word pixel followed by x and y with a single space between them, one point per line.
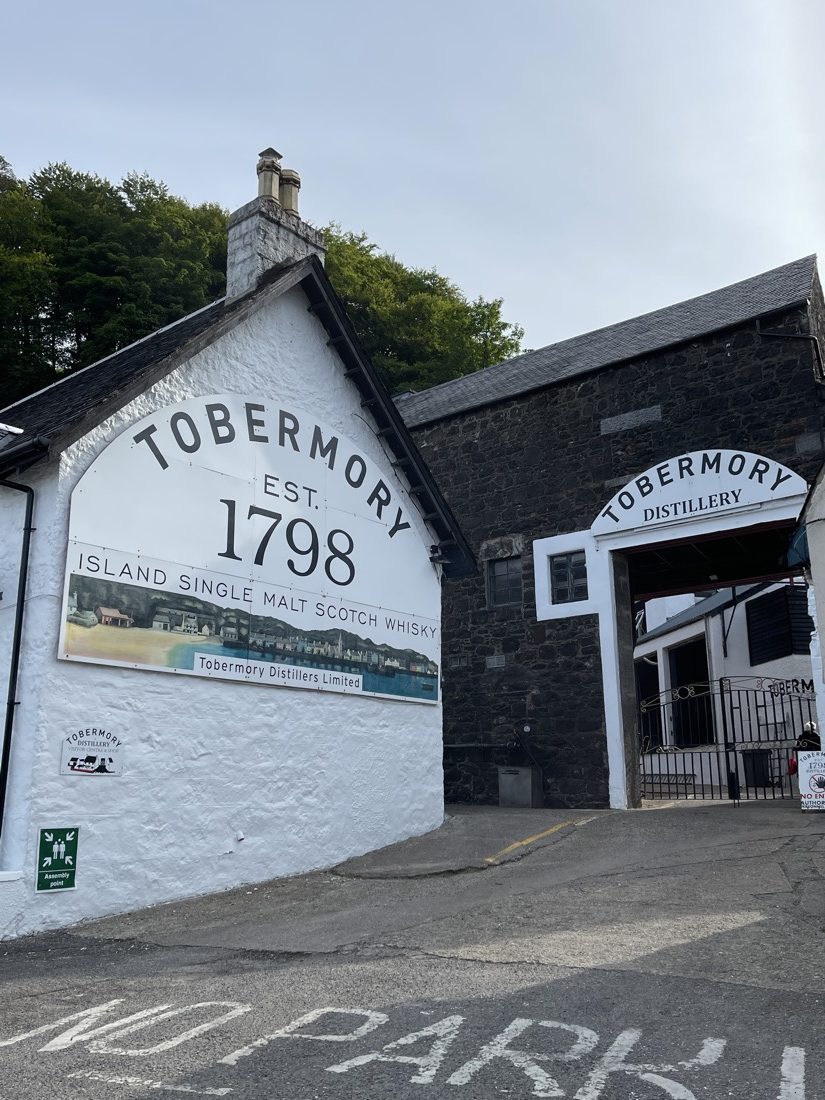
pixel 695 486
pixel 233 538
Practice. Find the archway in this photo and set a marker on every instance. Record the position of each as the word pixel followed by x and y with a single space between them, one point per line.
pixel 700 521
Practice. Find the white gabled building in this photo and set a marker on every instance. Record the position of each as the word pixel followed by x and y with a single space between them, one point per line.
pixel 246 468
pixel 761 631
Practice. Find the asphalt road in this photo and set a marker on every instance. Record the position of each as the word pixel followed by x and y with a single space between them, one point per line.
pixel 675 952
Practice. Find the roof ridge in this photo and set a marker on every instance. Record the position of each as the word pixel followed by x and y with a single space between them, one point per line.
pixel 517 368
pixel 666 308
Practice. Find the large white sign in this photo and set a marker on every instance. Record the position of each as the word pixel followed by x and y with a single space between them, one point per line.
pixel 235 538
pixel 693 485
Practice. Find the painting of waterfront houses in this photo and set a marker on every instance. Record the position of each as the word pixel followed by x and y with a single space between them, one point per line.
pixel 112 616
pixel 181 621
pixel 167 630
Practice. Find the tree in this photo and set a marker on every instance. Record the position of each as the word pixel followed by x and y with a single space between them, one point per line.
pixel 129 258
pixel 88 266
pixel 417 326
pixel 27 279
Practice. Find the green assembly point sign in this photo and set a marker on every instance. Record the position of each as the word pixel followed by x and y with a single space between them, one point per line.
pixel 57 859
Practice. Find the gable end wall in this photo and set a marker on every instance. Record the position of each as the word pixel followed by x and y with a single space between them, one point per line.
pixel 224 783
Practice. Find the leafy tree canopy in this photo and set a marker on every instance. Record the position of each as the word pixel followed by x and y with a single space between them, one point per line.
pixel 417 327
pixel 88 266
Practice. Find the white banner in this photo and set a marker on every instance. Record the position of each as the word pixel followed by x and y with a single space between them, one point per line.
pixel 225 532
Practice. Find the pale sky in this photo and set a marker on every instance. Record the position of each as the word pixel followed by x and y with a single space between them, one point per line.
pixel 586 160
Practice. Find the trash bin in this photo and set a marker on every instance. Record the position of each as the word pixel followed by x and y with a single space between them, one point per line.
pixel 519 786
pixel 757 764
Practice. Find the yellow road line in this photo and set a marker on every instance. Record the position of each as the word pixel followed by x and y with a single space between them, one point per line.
pixel 528 840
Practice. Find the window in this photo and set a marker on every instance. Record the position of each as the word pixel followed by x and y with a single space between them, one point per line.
pixel 568 577
pixel 778 624
pixel 504 582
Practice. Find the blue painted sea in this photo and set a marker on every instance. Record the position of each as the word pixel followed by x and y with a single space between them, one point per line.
pixel 401 684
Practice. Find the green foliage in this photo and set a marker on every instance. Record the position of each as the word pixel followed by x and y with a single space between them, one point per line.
pixel 88 266
pixel 28 340
pixel 417 326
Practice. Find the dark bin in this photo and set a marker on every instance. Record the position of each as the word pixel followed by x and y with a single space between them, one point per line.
pixel 520 786
pixel 757 763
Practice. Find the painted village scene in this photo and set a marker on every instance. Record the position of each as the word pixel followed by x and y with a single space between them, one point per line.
pixel 122 623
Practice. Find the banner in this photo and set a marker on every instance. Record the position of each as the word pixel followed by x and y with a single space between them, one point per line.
pixel 237 539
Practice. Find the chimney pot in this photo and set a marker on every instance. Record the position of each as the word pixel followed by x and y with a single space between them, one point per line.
pixel 290 185
pixel 269 174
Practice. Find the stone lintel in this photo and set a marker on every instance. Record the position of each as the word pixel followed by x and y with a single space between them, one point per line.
pixel 634 419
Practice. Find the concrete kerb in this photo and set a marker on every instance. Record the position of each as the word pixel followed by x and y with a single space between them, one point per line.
pixel 472 838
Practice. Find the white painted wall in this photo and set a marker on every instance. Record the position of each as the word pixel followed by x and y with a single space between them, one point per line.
pixel 737 661
pixel 307 778
pixel 816 659
pixel 814 517
pixel 658 611
pixel 658 647
pixel 783 712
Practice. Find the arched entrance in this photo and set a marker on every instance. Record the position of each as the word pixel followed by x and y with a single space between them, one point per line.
pixel 699 521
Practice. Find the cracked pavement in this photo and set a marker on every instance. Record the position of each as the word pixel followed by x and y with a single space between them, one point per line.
pixel 644 935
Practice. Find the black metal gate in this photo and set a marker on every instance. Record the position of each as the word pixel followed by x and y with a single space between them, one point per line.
pixel 728 739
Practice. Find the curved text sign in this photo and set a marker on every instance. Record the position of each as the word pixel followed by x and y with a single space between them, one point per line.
pixel 695 485
pixel 236 538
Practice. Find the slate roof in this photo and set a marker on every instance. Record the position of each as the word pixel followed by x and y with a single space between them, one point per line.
pixel 51 410
pixel 56 413
pixel 719 601
pixel 774 290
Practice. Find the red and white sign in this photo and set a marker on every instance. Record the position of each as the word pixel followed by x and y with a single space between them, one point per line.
pixel 812 780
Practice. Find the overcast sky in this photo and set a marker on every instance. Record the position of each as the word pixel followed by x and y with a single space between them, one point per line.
pixel 586 160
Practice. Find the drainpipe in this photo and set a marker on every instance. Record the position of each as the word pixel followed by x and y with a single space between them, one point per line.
pixel 17 636
pixel 819 376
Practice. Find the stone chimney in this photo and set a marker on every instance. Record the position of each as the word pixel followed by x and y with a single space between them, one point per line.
pixel 268 230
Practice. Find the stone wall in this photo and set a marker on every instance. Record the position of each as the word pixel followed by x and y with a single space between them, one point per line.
pixel 543 464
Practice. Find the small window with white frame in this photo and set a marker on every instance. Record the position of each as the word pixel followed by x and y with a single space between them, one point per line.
pixel 568 577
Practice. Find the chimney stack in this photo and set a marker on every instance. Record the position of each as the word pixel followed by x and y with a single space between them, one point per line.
pixel 268 231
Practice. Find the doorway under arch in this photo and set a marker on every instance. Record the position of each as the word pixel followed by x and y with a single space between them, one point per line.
pixel 697 522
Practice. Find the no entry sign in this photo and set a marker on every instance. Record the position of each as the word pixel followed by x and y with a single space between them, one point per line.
pixel 812 780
